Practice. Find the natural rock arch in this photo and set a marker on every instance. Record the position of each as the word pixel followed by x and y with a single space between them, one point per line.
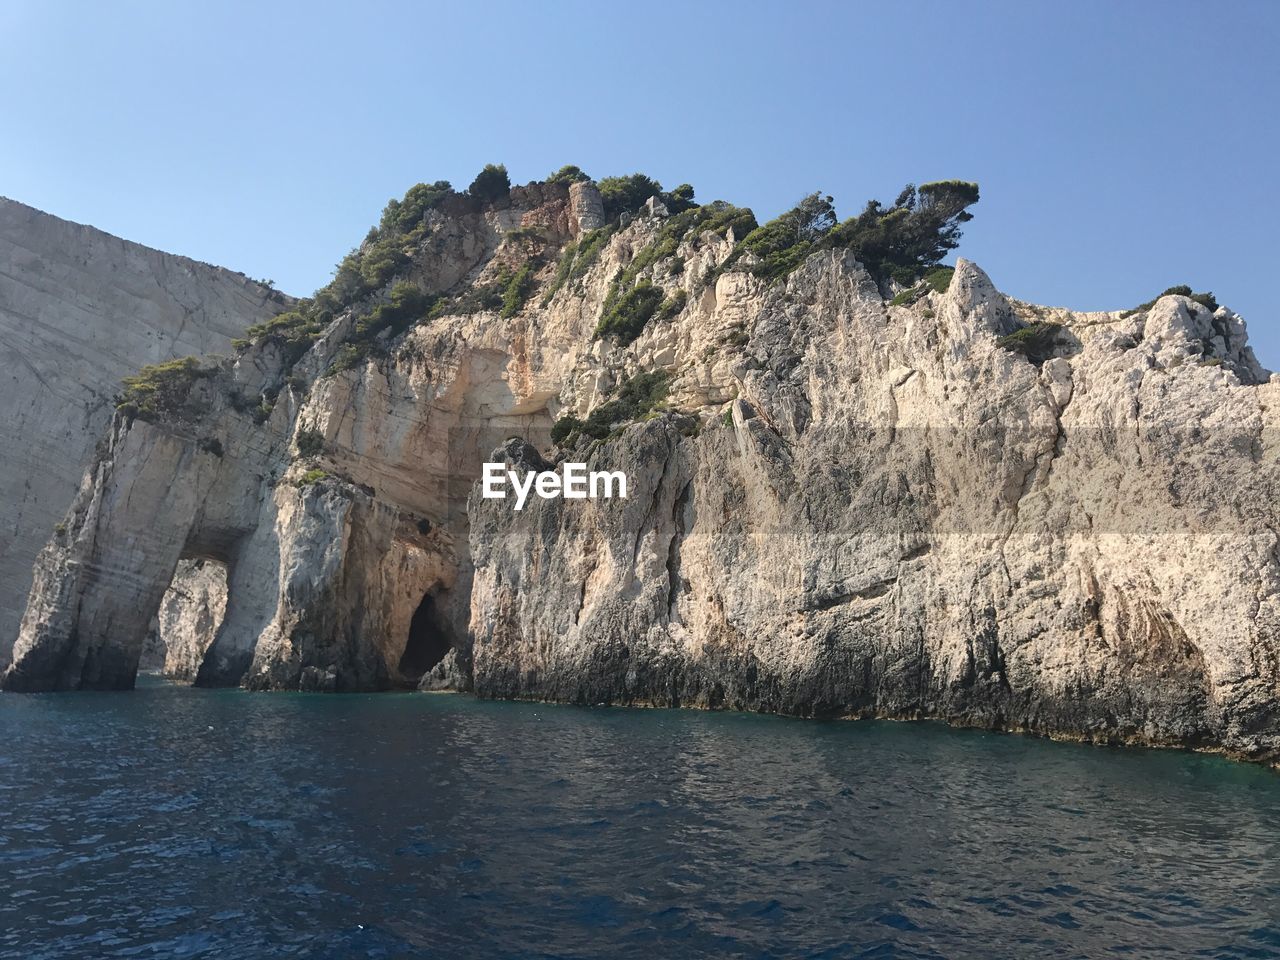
pixel 431 637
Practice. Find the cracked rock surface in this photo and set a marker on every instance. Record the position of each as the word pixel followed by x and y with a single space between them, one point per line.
pixel 844 507
pixel 79 310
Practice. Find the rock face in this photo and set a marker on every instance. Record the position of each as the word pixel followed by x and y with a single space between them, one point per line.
pixel 188 620
pixel 844 507
pixel 79 310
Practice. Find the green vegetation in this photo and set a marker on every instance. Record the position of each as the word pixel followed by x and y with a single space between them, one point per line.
pixel 905 241
pixel 405 307
pixel 262 411
pixel 902 242
pixel 783 243
pixel 506 293
pixel 162 391
pixel 311 477
pixel 1207 299
pixel 516 290
pixel 526 234
pixel 589 248
pixel 295 331
pixel 625 317
pixel 578 258
pixel 626 307
pixel 310 442
pixel 565 427
pixel 491 183
pixel 680 199
pixel 672 306
pixel 569 173
pixel 402 216
pixel 1036 342
pixel 211 445
pixel 386 250
pixel 636 397
pixel 628 194
pixel 937 280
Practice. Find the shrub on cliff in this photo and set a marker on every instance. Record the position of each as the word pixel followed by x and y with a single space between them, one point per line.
pixel 626 194
pixel 938 280
pixel 902 242
pixel 679 200
pixel 299 326
pixel 362 273
pixel 491 183
pixel 162 391
pixel 564 428
pixel 311 477
pixel 1037 342
pixel 401 216
pixel 672 306
pixel 783 243
pixel 310 443
pixel 1206 299
pixel 516 290
pixel 578 258
pixel 625 318
pixel 569 173
pixel 405 307
pixel 636 397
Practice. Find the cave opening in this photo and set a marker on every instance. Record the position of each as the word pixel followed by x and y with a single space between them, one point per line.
pixel 430 638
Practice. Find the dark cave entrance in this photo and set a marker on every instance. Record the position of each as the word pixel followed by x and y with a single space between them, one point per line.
pixel 430 638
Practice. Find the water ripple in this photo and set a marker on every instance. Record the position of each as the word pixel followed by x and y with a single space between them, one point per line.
pixel 185 823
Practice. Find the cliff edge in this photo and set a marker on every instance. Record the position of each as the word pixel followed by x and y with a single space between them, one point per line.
pixel 854 489
pixel 79 310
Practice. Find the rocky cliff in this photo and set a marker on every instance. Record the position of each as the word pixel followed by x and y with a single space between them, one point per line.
pixel 79 310
pixel 849 495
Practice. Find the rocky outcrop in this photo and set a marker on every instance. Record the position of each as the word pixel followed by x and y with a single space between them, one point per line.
pixel 188 620
pixel 900 517
pixel 79 310
pixel 843 507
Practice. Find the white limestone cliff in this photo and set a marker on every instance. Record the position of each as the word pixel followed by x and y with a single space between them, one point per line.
pixel 844 507
pixel 79 310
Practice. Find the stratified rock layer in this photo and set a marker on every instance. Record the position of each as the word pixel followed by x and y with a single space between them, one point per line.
pixel 846 508
pixel 79 310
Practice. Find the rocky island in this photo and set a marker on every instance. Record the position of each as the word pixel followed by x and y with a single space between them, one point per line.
pixel 859 483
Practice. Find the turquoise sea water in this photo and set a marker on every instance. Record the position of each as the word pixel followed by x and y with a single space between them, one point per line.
pixel 172 822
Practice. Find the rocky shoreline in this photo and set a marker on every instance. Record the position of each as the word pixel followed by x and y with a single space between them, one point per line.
pixel 845 498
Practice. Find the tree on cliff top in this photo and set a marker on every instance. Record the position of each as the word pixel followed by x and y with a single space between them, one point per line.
pixel 904 241
pixel 626 194
pixel 569 173
pixel 491 183
pixel 901 242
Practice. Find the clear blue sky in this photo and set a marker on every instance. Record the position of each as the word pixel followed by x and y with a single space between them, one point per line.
pixel 1121 146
